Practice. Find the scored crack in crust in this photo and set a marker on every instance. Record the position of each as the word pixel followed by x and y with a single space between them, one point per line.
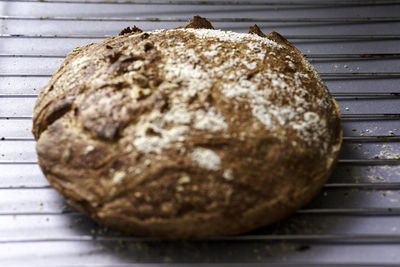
pixel 188 132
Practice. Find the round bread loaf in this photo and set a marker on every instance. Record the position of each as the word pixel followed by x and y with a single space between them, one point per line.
pixel 188 132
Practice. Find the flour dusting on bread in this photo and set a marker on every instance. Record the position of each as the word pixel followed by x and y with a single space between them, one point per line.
pixel 206 159
pixel 278 100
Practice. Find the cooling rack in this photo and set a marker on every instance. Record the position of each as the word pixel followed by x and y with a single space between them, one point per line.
pixel 355 220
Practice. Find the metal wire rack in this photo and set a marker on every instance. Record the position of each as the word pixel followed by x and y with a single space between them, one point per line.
pixel 355 221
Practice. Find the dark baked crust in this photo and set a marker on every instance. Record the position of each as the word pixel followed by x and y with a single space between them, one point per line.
pixel 113 134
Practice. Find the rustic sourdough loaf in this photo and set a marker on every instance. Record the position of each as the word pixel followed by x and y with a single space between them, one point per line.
pixel 188 132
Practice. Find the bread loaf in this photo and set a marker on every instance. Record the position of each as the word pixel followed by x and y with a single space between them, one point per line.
pixel 188 132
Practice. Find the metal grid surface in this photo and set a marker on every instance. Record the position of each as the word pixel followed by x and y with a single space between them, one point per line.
pixel 355 220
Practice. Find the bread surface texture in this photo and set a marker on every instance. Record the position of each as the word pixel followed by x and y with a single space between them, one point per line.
pixel 188 132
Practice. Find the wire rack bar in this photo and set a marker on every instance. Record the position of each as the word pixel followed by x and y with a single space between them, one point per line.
pixel 33 55
pixel 217 3
pixel 251 264
pixel 15 117
pixel 361 94
pixel 232 20
pixel 42 213
pixel 311 56
pixel 24 75
pixel 376 116
pixel 269 263
pixel 352 211
pixel 381 238
pixel 18 95
pixel 375 138
pixel 366 94
pixel 366 186
pixel 315 211
pixel 361 74
pixel 362 56
pixel 322 74
pixel 11 162
pixel 315 37
pixel 370 161
pixel 38 187
pixel 340 161
pixel 343 116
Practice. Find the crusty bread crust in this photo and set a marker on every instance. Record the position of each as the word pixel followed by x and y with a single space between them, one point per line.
pixel 188 132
